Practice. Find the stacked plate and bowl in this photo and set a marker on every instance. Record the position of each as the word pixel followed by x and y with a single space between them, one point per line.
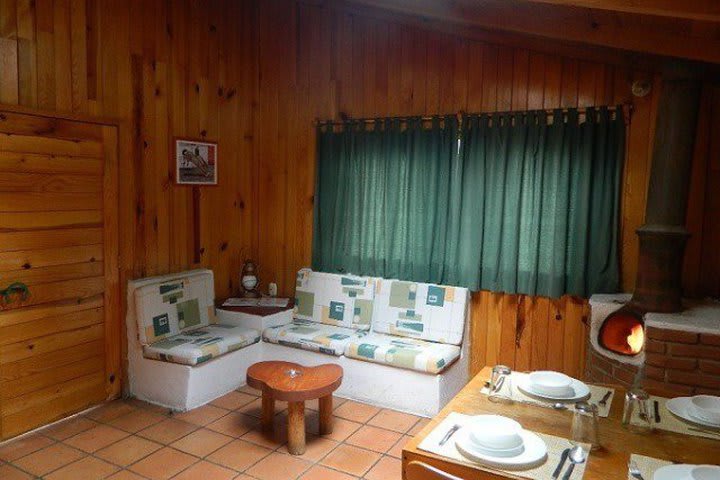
pixel 702 410
pixel 500 441
pixel 553 386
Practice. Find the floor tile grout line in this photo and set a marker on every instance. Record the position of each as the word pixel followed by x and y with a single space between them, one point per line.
pixel 310 463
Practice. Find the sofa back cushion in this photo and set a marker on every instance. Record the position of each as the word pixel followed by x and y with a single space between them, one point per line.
pixel 170 307
pixel 420 310
pixel 334 299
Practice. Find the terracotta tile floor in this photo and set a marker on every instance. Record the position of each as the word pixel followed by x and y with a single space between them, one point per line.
pixel 129 439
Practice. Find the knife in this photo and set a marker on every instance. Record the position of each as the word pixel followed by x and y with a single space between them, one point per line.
pixel 605 398
pixel 563 458
pixel 656 405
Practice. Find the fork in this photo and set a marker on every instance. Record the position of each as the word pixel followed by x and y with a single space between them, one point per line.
pixel 449 434
pixel 634 470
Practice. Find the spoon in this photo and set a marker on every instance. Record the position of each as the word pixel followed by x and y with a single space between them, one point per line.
pixel 577 455
pixel 559 406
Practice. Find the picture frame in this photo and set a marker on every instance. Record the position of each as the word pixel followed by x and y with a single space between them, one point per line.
pixel 195 161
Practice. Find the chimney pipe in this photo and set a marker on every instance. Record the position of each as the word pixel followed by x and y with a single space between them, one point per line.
pixel 663 237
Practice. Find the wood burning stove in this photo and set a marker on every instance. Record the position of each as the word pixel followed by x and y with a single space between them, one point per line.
pixel 623 332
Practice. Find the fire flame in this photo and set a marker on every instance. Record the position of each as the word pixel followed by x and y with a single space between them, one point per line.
pixel 636 339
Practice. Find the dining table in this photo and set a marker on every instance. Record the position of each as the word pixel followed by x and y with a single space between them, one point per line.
pixel 608 462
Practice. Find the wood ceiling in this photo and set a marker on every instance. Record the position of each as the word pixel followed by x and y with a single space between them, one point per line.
pixel 669 28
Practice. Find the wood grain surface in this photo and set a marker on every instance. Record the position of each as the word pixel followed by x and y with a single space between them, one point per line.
pixel 609 463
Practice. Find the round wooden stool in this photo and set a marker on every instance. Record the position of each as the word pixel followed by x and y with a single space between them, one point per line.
pixel 294 383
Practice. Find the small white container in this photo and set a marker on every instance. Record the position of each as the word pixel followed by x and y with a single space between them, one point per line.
pixel 706 407
pixel 496 433
pixel 551 383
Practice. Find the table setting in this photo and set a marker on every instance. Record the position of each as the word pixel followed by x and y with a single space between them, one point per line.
pixel 497 443
pixel 697 416
pixel 547 389
pixel 500 444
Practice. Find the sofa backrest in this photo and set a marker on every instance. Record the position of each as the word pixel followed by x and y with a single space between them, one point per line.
pixel 420 310
pixel 171 306
pixel 334 299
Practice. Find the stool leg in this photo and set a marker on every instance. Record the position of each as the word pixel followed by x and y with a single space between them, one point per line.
pixel 268 412
pixel 326 416
pixel 296 428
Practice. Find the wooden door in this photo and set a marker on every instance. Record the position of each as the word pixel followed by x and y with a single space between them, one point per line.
pixel 59 347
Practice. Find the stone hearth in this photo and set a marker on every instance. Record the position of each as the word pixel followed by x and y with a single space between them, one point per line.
pixel 681 354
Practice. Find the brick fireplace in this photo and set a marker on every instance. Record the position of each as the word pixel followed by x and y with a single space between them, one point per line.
pixel 681 355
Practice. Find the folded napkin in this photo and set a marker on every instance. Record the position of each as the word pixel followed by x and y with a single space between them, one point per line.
pixel 646 465
pixel 596 394
pixel 671 423
pixel 555 447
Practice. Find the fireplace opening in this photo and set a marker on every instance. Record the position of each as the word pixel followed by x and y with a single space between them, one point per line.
pixel 623 332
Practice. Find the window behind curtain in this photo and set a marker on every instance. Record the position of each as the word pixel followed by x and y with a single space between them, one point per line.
pixel 525 205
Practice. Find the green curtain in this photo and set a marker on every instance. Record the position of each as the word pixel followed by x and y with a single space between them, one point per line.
pixel 519 205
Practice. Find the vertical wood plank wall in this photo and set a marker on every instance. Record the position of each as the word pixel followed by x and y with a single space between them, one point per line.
pixel 179 68
pixel 254 75
pixel 317 62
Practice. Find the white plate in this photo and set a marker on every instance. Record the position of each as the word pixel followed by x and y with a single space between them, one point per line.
pixel 581 391
pixel 534 454
pixel 680 407
pixel 678 472
pixel 673 472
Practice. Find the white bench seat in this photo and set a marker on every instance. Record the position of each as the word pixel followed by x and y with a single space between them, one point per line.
pixel 201 345
pixel 402 345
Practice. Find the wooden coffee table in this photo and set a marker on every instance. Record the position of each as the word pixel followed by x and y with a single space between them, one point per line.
pixel 294 383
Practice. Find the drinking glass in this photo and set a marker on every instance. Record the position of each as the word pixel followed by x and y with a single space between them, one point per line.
pixel 637 400
pixel 500 384
pixel 585 425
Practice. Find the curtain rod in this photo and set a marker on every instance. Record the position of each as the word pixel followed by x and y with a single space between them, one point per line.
pixel 626 107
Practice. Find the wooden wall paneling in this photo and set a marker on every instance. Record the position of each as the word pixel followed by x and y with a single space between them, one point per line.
pixel 538 322
pixel 509 316
pixel 709 278
pixel 63 55
pixel 26 45
pixel 556 334
pixel 524 332
pixel 696 199
pixel 478 330
pixel 114 331
pixel 635 174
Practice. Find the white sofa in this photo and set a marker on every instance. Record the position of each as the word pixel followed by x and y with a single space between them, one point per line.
pixel 402 345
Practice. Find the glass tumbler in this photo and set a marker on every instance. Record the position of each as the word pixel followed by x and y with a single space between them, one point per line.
pixel 501 384
pixel 585 425
pixel 637 400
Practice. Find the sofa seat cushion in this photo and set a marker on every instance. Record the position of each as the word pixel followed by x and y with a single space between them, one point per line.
pixel 313 336
pixel 403 352
pixel 200 345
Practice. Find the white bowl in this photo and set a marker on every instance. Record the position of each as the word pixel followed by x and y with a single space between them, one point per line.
pixel 706 407
pixel 551 383
pixel 495 432
pixel 705 472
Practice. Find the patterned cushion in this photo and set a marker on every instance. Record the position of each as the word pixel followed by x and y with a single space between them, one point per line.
pixel 403 352
pixel 420 310
pixel 313 336
pixel 202 344
pixel 333 299
pixel 165 309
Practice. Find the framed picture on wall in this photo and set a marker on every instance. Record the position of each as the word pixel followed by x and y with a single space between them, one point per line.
pixel 195 162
